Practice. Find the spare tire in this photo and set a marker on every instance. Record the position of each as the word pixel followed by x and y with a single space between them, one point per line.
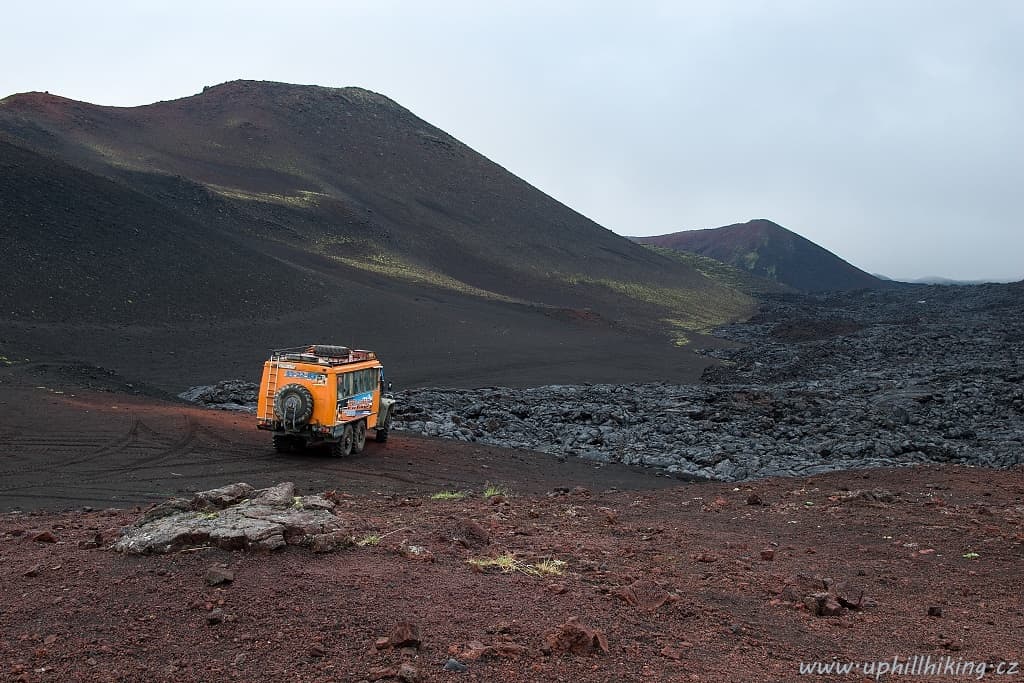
pixel 326 351
pixel 293 405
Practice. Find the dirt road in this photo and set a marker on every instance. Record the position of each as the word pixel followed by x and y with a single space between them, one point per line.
pixel 65 447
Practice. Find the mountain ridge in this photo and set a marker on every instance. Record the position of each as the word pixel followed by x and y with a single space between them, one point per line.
pixel 349 207
pixel 768 250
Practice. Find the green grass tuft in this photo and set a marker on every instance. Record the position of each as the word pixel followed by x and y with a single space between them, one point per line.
pixel 507 564
pixel 493 490
pixel 448 495
pixel 369 540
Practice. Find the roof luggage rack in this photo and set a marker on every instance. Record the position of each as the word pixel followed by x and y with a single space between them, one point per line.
pixel 322 354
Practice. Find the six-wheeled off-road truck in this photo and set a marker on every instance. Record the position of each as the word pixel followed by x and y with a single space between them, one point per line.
pixel 322 394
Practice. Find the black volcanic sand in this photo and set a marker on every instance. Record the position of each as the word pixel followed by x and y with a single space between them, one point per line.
pixel 67 447
pixel 478 344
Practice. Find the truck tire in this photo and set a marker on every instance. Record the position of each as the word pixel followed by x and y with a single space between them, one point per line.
pixel 293 405
pixel 343 446
pixel 359 440
pixel 325 351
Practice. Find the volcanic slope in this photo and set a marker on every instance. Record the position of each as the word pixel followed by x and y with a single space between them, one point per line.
pixel 770 251
pixel 261 214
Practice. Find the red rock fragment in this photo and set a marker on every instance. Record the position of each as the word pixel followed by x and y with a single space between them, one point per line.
pixel 471 535
pixel 405 634
pixel 644 594
pixel 673 653
pixel 574 638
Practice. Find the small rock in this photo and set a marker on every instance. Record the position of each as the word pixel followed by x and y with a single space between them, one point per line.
pixel 644 594
pixel 417 552
pixel 317 650
pixel 472 535
pixel 215 617
pixel 935 611
pixel 95 542
pixel 831 608
pixel 754 499
pixel 219 498
pixel 672 653
pixel 405 634
pixel 455 665
pixel 509 650
pixel 476 650
pixel 574 638
pixel 331 541
pixel 408 673
pixel 44 537
pixel 316 502
pixel 281 495
pixel 814 602
pixel 216 576
pixel 382 643
pixel 33 570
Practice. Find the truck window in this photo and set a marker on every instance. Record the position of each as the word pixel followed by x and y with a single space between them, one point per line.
pixel 360 382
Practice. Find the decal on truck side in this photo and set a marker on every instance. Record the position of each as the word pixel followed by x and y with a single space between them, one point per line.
pixel 317 378
pixel 359 405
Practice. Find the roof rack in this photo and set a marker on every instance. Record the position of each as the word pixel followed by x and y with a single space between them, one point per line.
pixel 322 354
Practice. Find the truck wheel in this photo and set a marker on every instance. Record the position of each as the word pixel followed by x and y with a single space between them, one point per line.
pixel 293 405
pixel 327 351
pixel 359 440
pixel 343 446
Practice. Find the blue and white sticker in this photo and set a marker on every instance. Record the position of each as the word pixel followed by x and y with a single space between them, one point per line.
pixel 317 378
pixel 359 405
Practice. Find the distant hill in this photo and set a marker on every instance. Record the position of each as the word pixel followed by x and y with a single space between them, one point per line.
pixel 323 214
pixel 769 251
pixel 724 273
pixel 938 280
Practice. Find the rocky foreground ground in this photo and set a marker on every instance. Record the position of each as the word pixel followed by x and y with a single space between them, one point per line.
pixel 699 582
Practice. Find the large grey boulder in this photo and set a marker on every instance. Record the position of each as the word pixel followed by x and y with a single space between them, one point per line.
pixel 234 517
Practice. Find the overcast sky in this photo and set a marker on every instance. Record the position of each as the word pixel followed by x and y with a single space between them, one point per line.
pixel 889 132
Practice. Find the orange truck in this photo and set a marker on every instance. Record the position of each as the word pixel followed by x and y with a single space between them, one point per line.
pixel 323 394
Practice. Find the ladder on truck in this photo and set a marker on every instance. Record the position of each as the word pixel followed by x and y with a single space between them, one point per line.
pixel 272 380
